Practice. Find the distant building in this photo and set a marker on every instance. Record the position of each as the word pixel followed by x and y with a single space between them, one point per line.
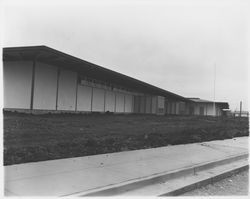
pixel 40 79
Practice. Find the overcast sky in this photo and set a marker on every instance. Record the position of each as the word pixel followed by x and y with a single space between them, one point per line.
pixel 171 44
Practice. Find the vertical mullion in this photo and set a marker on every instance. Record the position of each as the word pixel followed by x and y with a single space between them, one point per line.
pixel 57 86
pixel 91 108
pixel 124 103
pixel 77 79
pixel 104 101
pixel 32 85
pixel 115 103
pixel 150 104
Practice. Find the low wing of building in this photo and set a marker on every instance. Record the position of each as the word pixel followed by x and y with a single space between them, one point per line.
pixel 205 107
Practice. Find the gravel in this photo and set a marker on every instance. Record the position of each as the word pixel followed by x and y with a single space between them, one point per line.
pixel 237 184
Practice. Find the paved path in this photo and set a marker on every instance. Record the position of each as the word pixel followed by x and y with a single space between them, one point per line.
pixel 75 175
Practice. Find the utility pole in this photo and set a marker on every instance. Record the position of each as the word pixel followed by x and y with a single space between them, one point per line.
pixel 240 108
pixel 214 88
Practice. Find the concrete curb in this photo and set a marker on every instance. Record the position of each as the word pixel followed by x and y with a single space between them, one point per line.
pixel 117 189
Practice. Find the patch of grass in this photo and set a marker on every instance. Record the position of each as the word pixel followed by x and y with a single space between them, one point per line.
pixel 30 138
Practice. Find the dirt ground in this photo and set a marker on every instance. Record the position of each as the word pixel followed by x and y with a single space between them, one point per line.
pixel 30 138
pixel 236 185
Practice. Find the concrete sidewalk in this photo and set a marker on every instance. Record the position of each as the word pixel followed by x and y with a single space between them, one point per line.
pixel 82 175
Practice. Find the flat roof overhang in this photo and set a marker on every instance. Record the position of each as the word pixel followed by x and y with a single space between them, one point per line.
pixel 51 56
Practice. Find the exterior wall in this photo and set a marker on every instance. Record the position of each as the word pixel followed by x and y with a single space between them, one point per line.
pixel 142 104
pixel 136 104
pixel 201 108
pixel 17 84
pixel 128 103
pixel 219 111
pixel 172 108
pixel 110 101
pixel 160 105
pixel 45 87
pixel 119 108
pixel 95 97
pixel 191 107
pixel 177 109
pixel 210 109
pixel 98 100
pixel 148 104
pixel 84 96
pixel 194 108
pixel 167 106
pixel 67 90
pixel 182 110
pixel 196 112
pixel 154 104
pixel 49 86
pixel 198 107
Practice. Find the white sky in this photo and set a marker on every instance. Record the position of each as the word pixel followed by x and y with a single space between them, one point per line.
pixel 171 44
